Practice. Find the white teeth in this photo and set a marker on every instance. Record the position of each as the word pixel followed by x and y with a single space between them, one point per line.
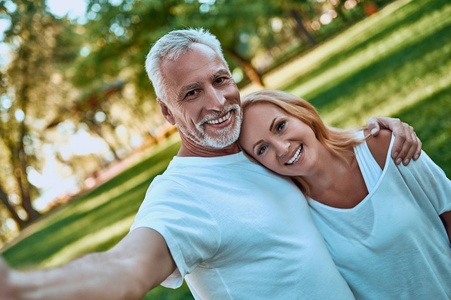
pixel 296 156
pixel 220 120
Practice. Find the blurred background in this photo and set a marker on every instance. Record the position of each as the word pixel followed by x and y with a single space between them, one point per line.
pixel 81 135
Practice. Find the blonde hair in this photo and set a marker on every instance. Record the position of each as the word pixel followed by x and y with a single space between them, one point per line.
pixel 338 142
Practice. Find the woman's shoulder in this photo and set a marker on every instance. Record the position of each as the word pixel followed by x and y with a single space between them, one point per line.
pixel 379 145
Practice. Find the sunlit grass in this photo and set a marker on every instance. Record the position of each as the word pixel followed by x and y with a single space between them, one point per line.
pixel 395 63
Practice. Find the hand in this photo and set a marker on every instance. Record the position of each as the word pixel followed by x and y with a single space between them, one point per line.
pixel 406 146
pixel 5 289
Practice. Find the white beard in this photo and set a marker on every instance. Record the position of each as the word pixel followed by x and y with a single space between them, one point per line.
pixel 226 136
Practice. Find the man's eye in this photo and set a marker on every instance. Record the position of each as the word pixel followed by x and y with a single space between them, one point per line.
pixel 281 126
pixel 220 79
pixel 261 150
pixel 190 93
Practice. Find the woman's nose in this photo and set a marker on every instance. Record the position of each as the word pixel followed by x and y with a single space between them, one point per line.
pixel 283 147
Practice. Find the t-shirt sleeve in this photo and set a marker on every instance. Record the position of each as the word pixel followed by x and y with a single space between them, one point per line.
pixel 433 182
pixel 190 232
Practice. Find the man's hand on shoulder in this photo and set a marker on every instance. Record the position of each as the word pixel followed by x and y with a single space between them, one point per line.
pixel 406 146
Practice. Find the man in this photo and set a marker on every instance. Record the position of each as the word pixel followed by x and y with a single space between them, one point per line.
pixel 231 228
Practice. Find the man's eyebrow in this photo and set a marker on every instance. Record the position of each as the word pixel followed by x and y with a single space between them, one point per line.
pixel 219 73
pixel 187 88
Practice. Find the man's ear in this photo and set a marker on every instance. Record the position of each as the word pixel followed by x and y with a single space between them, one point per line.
pixel 166 111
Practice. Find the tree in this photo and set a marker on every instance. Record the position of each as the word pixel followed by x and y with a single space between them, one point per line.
pixel 27 85
pixel 4 199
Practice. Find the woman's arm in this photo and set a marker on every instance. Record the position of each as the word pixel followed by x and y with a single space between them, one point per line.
pixel 379 145
pixel 446 219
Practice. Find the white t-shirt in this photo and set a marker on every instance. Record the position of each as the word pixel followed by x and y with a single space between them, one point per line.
pixel 392 245
pixel 237 231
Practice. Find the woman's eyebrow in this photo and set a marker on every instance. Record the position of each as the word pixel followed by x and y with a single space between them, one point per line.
pixel 270 129
pixel 271 126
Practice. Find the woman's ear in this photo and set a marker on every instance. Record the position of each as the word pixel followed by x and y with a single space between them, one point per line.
pixel 166 111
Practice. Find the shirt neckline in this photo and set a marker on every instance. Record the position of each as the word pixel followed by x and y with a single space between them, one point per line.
pixel 208 161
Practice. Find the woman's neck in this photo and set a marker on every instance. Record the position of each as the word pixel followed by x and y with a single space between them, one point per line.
pixel 337 182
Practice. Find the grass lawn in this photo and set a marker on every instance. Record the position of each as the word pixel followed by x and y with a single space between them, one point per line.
pixel 395 63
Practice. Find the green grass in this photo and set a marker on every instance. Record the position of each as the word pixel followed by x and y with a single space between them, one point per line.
pixel 395 63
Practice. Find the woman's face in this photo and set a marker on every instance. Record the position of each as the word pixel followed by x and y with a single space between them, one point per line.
pixel 279 141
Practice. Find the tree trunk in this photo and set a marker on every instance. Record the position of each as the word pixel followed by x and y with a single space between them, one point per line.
pixel 250 71
pixel 4 198
pixel 96 128
pixel 303 32
pixel 19 158
pixel 24 187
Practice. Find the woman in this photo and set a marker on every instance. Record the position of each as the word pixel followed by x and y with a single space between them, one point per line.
pixel 386 226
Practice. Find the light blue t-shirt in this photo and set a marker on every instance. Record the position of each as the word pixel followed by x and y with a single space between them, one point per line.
pixel 237 231
pixel 392 245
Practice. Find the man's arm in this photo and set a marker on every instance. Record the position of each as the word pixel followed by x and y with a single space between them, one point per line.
pixel 406 146
pixel 138 263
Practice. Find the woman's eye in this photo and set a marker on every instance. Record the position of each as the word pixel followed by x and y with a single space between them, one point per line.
pixel 261 150
pixel 281 126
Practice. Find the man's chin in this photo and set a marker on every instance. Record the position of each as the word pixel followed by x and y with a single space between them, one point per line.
pixel 219 143
pixel 224 138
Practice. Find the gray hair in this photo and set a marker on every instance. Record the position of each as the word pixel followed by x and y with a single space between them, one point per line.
pixel 171 46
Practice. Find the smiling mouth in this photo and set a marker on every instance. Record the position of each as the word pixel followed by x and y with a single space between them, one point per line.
pixel 296 156
pixel 220 120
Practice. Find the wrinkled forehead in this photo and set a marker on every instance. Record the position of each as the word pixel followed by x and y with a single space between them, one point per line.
pixel 195 67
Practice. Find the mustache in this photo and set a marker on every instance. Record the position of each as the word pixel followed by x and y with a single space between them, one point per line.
pixel 215 115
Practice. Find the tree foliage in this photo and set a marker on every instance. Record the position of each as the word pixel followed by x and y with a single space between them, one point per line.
pixel 29 83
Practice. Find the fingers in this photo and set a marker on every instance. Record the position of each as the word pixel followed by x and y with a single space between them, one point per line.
pixel 406 145
pixel 417 153
pixel 400 138
pixel 373 126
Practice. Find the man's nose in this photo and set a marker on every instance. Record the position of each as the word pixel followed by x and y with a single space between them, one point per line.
pixel 215 99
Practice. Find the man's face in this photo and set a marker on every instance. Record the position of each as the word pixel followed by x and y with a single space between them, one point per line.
pixel 203 100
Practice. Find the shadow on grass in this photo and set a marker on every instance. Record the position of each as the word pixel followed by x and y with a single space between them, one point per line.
pixel 431 120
